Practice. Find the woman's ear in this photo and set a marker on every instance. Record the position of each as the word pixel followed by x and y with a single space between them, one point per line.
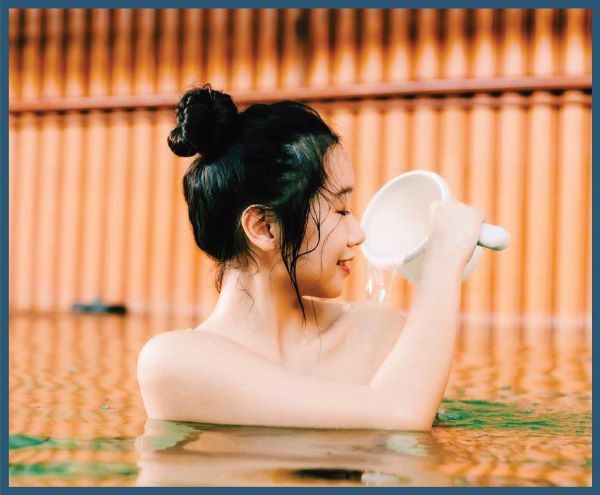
pixel 261 228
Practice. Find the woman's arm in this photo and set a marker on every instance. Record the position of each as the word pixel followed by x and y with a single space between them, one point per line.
pixel 418 366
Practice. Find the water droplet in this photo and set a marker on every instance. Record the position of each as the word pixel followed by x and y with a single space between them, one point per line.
pixel 378 283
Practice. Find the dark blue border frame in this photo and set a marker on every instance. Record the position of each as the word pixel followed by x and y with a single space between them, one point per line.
pixel 4 488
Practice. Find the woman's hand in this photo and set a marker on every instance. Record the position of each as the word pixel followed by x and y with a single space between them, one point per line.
pixel 454 229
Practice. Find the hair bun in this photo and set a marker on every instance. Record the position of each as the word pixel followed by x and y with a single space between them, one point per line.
pixel 205 120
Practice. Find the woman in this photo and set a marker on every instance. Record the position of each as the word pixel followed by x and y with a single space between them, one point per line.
pixel 268 200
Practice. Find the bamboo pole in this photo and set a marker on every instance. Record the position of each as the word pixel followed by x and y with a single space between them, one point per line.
pixel 427 50
pixel 292 69
pixel 540 200
pixel 483 52
pixel 119 152
pixel 161 217
pixel 184 290
pixel 267 73
pixel 574 44
pixel 513 46
pixel 168 66
pixel 397 64
pixel 571 222
pixel 15 70
pixel 481 164
pixel 51 52
pixel 144 71
pixel 455 50
pixel 122 53
pixel 45 243
pixel 543 57
pixel 344 64
pixel 216 44
pixel 100 62
pixel 31 80
pixel 192 72
pixel 75 55
pixel 509 211
pixel 242 57
pixel 71 220
pixel 318 68
pixel 25 209
pixel 371 51
pixel 93 203
pixel 138 221
pixel 368 155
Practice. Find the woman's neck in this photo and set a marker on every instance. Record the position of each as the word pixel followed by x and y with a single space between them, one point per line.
pixel 263 306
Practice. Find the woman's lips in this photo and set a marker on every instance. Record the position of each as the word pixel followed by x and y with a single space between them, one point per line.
pixel 344 265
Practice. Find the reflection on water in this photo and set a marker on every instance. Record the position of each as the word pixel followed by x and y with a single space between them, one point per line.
pixel 517 412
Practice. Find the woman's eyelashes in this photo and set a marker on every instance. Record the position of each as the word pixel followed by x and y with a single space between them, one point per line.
pixel 344 212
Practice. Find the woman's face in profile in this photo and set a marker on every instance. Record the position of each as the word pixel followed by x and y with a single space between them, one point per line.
pixel 320 273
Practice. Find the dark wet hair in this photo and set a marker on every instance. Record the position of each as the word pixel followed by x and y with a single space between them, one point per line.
pixel 269 154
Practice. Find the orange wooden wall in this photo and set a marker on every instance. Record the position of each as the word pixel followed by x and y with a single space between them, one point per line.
pixel 497 101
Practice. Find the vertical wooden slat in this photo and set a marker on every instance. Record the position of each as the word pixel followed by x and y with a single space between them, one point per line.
pixel 371 52
pixel 144 77
pixel 397 66
pixel 138 208
pixel 540 201
pixel 117 179
pixel 46 235
pixel 266 56
pixel 14 54
pixel 94 200
pixel 242 56
pixel 122 54
pixel 75 54
pixel 292 69
pixel 191 70
pixel 216 53
pixel 168 68
pixel 70 223
pixel 100 63
pixel 318 68
pixel 343 62
pixel 52 47
pixel 31 76
pixel 509 191
pixel 162 217
pixel 571 222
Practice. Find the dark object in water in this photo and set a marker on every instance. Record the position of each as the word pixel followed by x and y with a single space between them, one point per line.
pixel 330 474
pixel 97 306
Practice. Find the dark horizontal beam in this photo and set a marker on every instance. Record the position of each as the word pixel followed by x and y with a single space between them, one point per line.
pixel 431 88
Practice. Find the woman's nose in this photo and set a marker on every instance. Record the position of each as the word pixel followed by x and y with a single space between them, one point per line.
pixel 357 234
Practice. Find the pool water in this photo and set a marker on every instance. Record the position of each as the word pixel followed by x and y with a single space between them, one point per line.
pixel 517 412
